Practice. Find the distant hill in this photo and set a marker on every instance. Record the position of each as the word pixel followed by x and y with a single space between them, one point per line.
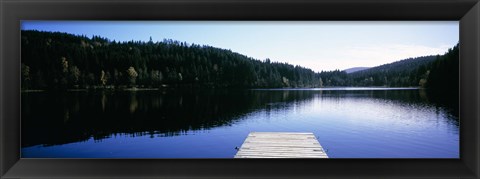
pixel 355 69
pixel 401 65
pixel 407 72
pixel 402 73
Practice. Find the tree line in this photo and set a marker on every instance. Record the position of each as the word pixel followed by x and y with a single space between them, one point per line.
pixel 55 60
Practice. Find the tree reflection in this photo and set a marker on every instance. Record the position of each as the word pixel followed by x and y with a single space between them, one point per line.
pixel 133 102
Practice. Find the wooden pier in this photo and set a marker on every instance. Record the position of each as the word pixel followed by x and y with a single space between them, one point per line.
pixel 281 145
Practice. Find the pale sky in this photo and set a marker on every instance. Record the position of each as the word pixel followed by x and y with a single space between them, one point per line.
pixel 319 45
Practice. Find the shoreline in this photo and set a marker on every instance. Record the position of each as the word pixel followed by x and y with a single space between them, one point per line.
pixel 350 88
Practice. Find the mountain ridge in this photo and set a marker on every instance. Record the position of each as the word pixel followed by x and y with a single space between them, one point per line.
pixel 355 69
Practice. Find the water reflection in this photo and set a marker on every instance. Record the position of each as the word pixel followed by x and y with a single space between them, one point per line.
pixel 163 113
pixel 100 114
pixel 133 102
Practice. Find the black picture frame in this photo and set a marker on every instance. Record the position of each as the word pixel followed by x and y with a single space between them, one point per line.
pixel 467 12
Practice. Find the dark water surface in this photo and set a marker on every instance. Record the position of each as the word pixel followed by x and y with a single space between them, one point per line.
pixel 348 122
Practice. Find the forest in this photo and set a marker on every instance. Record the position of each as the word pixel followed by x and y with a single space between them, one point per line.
pixel 61 61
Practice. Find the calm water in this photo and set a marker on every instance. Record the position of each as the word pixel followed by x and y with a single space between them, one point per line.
pixel 348 122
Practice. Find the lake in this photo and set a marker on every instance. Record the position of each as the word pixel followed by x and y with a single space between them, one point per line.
pixel 193 123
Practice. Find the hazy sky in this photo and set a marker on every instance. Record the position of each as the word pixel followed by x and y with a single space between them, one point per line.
pixel 319 45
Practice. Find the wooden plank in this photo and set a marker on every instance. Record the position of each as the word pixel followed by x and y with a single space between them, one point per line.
pixel 281 145
pixel 283 154
pixel 281 133
pixel 281 149
pixel 250 145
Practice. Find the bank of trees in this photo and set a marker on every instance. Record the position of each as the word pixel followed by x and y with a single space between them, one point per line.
pixel 438 72
pixel 60 61
pixel 407 72
pixel 53 60
pixel 444 73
